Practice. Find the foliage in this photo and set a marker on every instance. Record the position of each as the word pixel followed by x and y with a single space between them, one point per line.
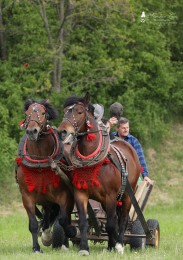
pixel 106 49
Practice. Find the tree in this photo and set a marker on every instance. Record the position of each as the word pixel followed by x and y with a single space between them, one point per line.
pixel 3 49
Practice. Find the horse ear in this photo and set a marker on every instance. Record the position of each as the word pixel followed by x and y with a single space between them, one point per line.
pixel 28 102
pixel 87 98
pixel 47 101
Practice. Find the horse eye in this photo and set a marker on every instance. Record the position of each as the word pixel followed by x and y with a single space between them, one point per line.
pixel 43 113
pixel 80 112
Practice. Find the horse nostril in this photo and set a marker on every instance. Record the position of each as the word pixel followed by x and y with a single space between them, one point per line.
pixel 35 131
pixel 63 134
pixel 27 132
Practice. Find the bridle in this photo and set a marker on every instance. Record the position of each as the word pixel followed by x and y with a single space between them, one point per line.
pixel 38 121
pixel 75 125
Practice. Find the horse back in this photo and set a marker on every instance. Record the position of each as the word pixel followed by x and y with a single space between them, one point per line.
pixel 131 160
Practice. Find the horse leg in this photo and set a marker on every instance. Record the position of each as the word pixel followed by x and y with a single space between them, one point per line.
pixel 46 236
pixel 33 223
pixel 33 228
pixel 123 222
pixel 65 221
pixel 81 199
pixel 111 224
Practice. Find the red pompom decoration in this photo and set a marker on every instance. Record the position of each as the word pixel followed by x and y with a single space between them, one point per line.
pixel 90 137
pixel 21 124
pixel 119 203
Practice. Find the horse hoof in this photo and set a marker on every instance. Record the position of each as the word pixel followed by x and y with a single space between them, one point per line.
pixel 119 248
pixel 37 251
pixel 83 252
pixel 64 248
pixel 46 237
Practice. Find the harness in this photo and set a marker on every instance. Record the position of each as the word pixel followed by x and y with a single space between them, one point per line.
pixel 41 163
pixel 97 156
pixel 100 154
pixel 122 168
pixel 34 110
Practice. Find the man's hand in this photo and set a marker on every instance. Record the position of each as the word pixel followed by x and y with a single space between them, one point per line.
pixel 149 181
pixel 113 121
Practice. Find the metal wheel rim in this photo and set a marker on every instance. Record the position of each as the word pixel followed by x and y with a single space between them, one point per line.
pixel 156 238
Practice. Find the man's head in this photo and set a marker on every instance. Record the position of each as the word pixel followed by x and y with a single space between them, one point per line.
pixel 98 112
pixel 116 110
pixel 122 127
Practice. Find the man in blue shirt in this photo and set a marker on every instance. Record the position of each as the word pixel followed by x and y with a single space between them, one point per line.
pixel 122 128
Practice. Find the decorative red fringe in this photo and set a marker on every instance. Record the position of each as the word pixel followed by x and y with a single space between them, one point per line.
pixel 82 177
pixel 141 169
pixel 19 161
pixel 38 178
pixel 90 137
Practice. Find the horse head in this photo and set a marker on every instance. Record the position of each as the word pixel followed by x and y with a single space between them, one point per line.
pixel 78 113
pixel 37 118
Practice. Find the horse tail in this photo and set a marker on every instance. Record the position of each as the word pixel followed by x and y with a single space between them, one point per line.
pixel 38 213
pixel 54 212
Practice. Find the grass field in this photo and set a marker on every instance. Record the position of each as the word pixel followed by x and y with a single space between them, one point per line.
pixel 16 243
pixel 165 205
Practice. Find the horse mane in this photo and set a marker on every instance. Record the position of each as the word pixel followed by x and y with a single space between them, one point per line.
pixel 75 100
pixel 52 113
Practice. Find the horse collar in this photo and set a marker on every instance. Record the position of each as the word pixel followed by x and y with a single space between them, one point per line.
pixel 43 163
pixel 96 157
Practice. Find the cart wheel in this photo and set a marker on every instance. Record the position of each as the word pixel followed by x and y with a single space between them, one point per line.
pixel 137 242
pixel 154 226
pixel 58 237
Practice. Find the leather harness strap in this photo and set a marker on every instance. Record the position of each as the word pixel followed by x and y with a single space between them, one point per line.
pixel 134 201
pixel 123 170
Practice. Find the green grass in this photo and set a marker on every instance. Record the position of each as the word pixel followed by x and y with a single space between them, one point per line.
pixel 165 204
pixel 16 242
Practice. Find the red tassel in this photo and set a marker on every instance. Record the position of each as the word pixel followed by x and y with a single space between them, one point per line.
pixel 90 137
pixel 44 190
pixel 31 188
pixel 96 183
pixel 79 185
pixel 119 203
pixel 50 130
pixel 85 186
pixel 55 185
pixel 21 124
pixel 19 161
pixel 90 126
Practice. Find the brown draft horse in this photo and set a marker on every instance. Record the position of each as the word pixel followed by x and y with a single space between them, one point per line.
pixel 38 183
pixel 95 176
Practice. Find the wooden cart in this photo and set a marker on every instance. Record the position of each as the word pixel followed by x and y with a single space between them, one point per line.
pixel 139 233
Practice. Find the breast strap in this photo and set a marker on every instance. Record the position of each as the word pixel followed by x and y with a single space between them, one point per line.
pixel 44 163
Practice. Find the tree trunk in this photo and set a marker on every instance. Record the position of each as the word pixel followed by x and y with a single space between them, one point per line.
pixel 3 47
